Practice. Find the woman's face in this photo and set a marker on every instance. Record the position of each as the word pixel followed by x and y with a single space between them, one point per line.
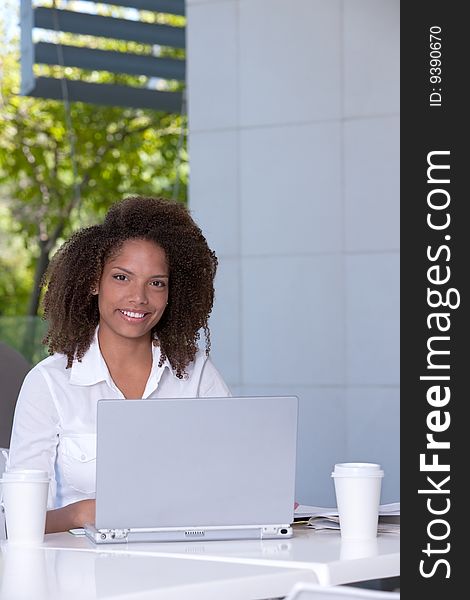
pixel 133 290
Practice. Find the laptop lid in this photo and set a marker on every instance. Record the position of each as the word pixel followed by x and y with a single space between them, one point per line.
pixel 213 462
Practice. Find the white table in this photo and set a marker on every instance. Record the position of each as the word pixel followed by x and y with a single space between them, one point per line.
pixel 43 573
pixel 240 570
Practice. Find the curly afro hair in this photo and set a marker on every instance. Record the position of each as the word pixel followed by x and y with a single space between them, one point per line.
pixel 71 309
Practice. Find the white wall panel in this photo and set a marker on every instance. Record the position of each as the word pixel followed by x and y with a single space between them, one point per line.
pixel 214 181
pixel 290 61
pixel 225 321
pixel 373 426
pixel 290 189
pixel 294 144
pixel 372 184
pixel 372 319
pixel 292 320
pixel 212 67
pixel 371 57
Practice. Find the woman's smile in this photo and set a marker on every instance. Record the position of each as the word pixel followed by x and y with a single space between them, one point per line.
pixel 133 316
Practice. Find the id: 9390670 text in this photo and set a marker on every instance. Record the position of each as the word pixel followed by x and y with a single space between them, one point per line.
pixel 435 66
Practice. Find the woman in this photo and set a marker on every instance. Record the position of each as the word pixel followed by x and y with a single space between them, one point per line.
pixel 125 303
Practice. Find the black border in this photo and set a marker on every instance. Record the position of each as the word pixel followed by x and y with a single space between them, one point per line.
pixel 423 129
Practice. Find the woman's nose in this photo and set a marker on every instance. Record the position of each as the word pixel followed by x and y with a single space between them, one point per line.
pixel 138 293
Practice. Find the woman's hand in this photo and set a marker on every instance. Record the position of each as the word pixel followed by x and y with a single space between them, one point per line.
pixel 71 516
pixel 84 512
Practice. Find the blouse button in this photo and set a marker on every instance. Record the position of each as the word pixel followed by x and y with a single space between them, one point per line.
pixel 83 457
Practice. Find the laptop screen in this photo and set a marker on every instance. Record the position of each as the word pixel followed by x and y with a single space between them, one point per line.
pixel 196 462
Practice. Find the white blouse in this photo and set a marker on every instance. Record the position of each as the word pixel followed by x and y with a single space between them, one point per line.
pixel 54 426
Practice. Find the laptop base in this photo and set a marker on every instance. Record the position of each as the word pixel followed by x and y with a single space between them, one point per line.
pixel 170 534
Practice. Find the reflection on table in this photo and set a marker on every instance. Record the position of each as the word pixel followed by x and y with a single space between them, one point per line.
pixel 334 562
pixel 41 573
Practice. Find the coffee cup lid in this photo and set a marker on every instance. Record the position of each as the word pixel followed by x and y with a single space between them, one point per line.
pixel 24 475
pixel 357 469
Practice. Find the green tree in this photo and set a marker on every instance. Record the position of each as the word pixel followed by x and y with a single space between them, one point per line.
pixel 56 178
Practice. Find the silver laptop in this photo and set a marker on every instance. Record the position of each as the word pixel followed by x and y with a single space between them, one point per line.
pixel 195 469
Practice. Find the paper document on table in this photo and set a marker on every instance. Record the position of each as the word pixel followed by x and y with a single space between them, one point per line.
pixel 327 518
pixel 333 523
pixel 305 512
pixel 389 509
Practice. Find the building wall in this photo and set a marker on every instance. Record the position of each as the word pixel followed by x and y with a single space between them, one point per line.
pixel 294 157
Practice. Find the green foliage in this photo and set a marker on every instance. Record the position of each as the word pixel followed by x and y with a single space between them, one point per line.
pixel 25 334
pixel 15 277
pixel 47 195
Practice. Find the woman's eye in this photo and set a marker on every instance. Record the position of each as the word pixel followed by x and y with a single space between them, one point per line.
pixel 158 283
pixel 120 277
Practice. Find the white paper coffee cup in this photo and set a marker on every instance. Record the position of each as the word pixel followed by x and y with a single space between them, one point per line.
pixel 24 498
pixel 357 487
